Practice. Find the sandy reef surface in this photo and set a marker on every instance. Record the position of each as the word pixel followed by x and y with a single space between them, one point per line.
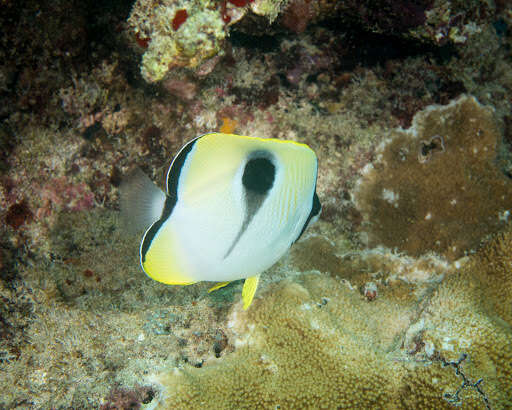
pixel 399 297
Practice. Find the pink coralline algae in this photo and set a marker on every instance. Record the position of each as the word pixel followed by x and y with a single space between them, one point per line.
pixel 60 193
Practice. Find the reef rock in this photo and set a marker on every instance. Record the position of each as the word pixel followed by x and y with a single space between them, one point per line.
pixel 190 34
pixel 176 34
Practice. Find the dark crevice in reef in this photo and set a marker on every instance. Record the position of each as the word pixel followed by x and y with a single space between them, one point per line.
pixel 367 49
pixel 264 43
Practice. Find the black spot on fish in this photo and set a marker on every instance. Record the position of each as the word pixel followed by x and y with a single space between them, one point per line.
pixel 257 180
pixel 259 174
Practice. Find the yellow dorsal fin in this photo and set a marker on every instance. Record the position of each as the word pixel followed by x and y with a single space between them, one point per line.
pixel 218 286
pixel 249 289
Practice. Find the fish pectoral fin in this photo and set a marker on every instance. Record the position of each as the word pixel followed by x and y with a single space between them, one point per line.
pixel 249 289
pixel 218 286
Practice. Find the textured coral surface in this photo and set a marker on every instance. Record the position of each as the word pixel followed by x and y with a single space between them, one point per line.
pixel 398 297
pixel 437 187
pixel 316 342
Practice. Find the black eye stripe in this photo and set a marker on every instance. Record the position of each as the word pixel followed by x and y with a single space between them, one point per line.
pixel 257 180
pixel 259 175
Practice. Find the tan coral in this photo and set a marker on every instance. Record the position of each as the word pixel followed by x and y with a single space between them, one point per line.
pixel 316 342
pixel 292 352
pixel 461 320
pixel 436 187
pixel 493 265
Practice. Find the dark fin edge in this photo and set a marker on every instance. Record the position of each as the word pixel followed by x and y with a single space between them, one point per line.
pixel 173 175
pixel 315 210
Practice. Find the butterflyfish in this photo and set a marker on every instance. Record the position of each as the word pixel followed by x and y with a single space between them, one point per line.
pixel 233 206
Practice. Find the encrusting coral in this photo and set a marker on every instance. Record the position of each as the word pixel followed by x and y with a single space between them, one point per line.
pixel 291 351
pixel 436 187
pixel 470 314
pixel 176 34
pixel 315 342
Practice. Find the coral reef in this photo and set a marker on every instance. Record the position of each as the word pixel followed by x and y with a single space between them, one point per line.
pixel 177 34
pixel 337 323
pixel 436 187
pixel 302 346
pixel 191 34
pixel 478 324
pixel 291 352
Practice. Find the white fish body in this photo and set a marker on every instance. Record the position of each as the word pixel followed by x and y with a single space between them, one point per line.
pixel 234 205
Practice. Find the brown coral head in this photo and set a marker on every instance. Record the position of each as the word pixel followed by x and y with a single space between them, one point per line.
pixel 436 188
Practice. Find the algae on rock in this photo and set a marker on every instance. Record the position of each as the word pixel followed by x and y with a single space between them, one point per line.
pixel 187 42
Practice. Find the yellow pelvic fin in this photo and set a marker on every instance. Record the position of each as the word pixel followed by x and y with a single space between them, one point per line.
pixel 249 289
pixel 218 286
